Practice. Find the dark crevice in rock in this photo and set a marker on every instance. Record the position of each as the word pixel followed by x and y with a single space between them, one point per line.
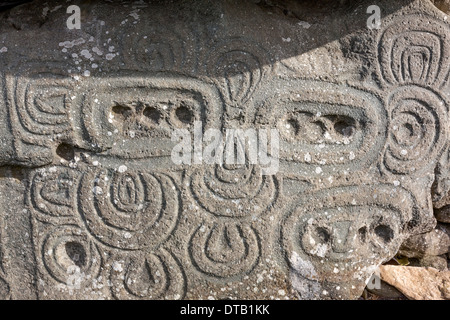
pixel 5 5
pixel 66 151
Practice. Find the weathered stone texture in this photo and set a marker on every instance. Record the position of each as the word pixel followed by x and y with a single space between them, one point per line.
pixel 433 243
pixel 93 207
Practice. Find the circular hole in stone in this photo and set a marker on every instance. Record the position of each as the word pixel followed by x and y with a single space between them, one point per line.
pixel 408 129
pixel 65 151
pixel 75 251
pixel 314 131
pixel 405 133
pixel 323 234
pixel 121 112
pixel 184 114
pixel 344 128
pixel 152 114
pixel 292 127
pixel 384 232
pixel 362 234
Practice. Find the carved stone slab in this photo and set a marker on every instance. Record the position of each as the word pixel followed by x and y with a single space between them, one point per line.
pixel 93 207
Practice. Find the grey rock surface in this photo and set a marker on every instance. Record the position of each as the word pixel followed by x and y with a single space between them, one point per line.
pixel 433 243
pixel 437 262
pixel 93 207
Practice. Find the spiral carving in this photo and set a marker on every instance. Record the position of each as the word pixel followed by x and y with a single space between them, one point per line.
pixel 129 210
pixel 66 250
pixel 415 51
pixel 416 131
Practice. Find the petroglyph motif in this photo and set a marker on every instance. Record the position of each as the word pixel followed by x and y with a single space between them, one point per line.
pixel 234 191
pixel 38 102
pixel 416 133
pixel 353 232
pixel 415 51
pixel 225 250
pixel 154 276
pixel 129 210
pixel 321 126
pixel 84 215
pixel 134 116
pixel 361 119
pixel 239 66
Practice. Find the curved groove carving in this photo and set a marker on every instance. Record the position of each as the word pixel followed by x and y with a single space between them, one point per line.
pixel 238 66
pixel 130 210
pixel 415 51
pixel 160 48
pixel 234 191
pixel 39 104
pixel 351 228
pixel 67 252
pixel 225 250
pixel 134 117
pixel 155 276
pixel 321 127
pixel 52 192
pixel 417 132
